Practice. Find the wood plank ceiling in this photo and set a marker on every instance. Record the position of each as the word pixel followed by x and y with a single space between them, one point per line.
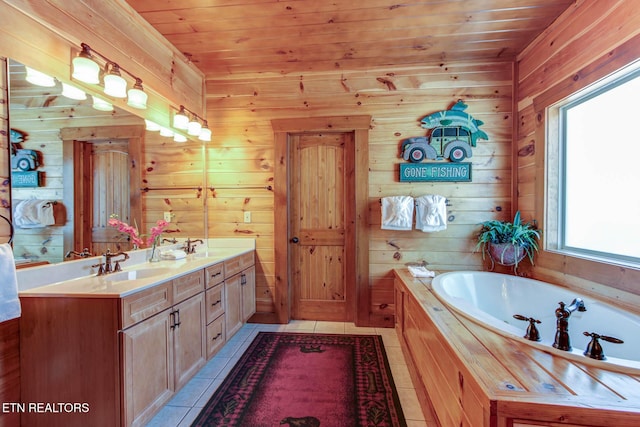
pixel 228 37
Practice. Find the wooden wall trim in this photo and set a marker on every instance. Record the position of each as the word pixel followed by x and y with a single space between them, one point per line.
pixel 282 128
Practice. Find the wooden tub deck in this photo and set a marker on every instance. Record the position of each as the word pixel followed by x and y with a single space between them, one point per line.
pixel 473 376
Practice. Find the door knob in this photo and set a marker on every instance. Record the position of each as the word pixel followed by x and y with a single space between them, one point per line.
pixel 295 240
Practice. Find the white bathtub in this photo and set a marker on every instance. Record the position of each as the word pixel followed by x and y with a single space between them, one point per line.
pixel 491 299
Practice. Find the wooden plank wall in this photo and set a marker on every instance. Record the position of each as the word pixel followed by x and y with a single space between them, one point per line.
pixel 173 172
pixel 591 39
pixel 241 155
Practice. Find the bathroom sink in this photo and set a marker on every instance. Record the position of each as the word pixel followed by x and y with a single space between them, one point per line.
pixel 141 273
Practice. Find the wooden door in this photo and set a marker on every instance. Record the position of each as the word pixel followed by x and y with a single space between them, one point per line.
pixel 110 194
pixel 320 216
pixel 189 341
pixel 147 374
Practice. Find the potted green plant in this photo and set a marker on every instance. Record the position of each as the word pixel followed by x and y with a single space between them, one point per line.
pixel 507 243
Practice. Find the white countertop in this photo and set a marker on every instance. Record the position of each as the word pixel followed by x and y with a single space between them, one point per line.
pixel 116 285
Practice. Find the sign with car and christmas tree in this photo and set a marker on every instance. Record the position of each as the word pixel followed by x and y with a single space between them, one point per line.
pixel 452 135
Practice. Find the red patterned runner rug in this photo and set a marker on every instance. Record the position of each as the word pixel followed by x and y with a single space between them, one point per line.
pixel 307 380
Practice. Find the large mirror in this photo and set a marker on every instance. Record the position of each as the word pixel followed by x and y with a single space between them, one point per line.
pixel 71 169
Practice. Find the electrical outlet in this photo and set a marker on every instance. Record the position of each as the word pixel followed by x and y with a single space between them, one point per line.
pixel 247 217
pixel 167 216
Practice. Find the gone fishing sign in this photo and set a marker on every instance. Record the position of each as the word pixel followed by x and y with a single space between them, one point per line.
pixel 452 135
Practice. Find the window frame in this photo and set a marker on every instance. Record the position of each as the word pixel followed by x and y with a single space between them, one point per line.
pixel 555 169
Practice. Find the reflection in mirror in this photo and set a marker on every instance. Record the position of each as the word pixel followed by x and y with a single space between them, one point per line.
pixel 71 167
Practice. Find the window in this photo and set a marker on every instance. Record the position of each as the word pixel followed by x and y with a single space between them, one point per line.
pixel 593 172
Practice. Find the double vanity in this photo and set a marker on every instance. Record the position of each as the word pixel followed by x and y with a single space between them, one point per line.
pixel 111 350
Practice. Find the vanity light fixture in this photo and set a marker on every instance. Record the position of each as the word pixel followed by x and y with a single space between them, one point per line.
pixel 195 125
pixel 73 92
pixel 101 105
pixel 136 96
pixel 87 69
pixel 166 132
pixel 179 138
pixel 39 79
pixel 181 120
pixel 151 126
pixel 114 84
pixel 205 133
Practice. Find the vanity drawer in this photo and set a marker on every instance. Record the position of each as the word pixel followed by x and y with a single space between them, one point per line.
pixel 237 264
pixel 146 303
pixel 215 274
pixel 214 301
pixel 215 336
pixel 188 285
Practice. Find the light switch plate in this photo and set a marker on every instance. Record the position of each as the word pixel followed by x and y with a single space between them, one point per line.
pixel 167 216
pixel 247 217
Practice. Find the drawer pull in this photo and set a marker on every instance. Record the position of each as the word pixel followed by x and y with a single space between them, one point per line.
pixel 243 279
pixel 213 304
pixel 216 274
pixel 217 336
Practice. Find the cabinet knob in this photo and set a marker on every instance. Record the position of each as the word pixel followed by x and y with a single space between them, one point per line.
pixel 295 240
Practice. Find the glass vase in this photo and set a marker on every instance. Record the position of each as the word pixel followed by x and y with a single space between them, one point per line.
pixel 155 253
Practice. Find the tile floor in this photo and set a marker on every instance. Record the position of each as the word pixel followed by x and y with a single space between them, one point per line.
pixel 187 403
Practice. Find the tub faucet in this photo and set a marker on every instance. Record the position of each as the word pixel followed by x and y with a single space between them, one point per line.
pixel 562 341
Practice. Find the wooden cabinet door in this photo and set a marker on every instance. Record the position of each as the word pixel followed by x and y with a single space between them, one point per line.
pixel 248 284
pixel 233 305
pixel 189 342
pixel 147 374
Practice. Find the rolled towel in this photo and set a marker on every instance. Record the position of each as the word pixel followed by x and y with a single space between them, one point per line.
pixel 9 301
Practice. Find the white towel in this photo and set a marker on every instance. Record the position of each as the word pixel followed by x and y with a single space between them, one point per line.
pixel 420 271
pixel 9 302
pixel 397 213
pixel 33 213
pixel 431 213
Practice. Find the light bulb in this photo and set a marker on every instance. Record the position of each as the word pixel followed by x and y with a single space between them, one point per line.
pixel 151 126
pixel 73 92
pixel 101 104
pixel 205 133
pixel 180 120
pixel 137 96
pixel 85 68
pixel 114 84
pixel 39 79
pixel 179 138
pixel 166 132
pixel 194 127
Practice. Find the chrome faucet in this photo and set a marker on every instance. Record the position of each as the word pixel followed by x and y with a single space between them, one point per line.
pixel 107 266
pixel 562 341
pixel 190 247
pixel 84 254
